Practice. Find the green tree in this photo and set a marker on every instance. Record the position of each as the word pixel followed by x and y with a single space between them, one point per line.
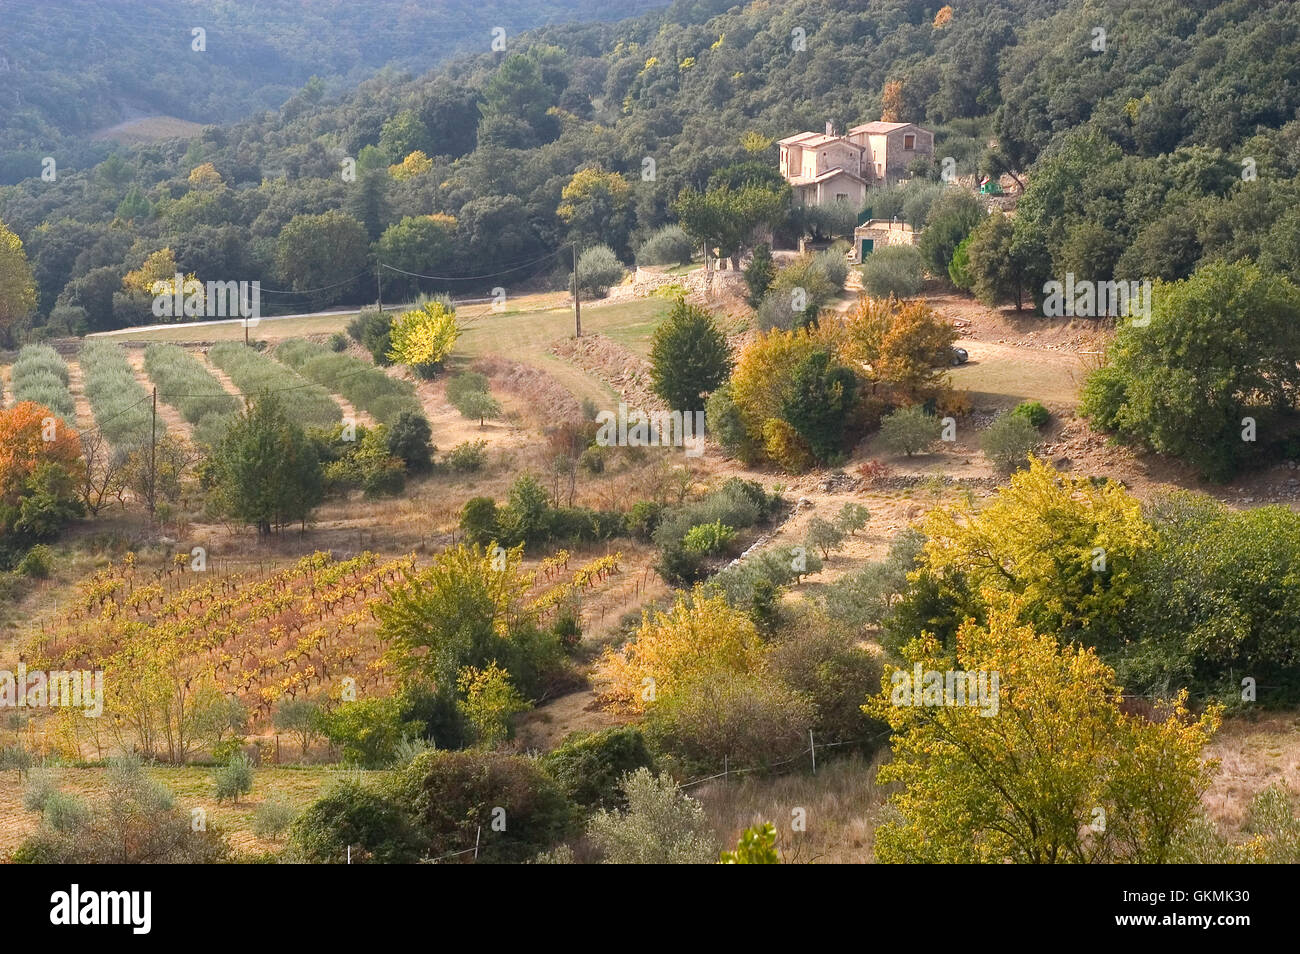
pixel 1009 441
pixel 819 403
pixel 424 244
pixel 1006 262
pixel 909 430
pixel 265 472
pixel 952 217
pixel 233 779
pixel 726 218
pixel 689 357
pixel 1219 349
pixel 759 274
pixel 315 252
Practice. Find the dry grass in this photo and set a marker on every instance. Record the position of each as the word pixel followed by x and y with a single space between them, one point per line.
pixel 842 805
pixel 193 787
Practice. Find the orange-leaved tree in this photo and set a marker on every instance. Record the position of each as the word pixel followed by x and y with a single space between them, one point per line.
pixel 41 468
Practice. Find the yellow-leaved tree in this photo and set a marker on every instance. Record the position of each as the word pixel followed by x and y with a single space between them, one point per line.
pixel 1051 770
pixel 1067 547
pixel 415 164
pixel 17 287
pixel 699 634
pixel 422 338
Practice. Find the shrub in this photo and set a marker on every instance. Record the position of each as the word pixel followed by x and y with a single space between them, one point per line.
pixel 364 385
pixel 590 766
pixel 120 403
pixel 1009 441
pixel 708 538
pixel 410 439
pixel 598 269
pixel 338 341
pixel 456 795
pixel 273 818
pixel 478 520
pixel 353 816
pixel 368 730
pixel 41 376
pixel 744 719
pixel 467 457
pixel 37 563
pixel 893 270
pixel 185 384
pixel 909 431
pixel 759 274
pixel 371 329
pixel 233 779
pixel 669 245
pixel 1033 412
pixel 660 826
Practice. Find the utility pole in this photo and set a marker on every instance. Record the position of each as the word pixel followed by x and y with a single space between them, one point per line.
pixel 577 296
pixel 153 449
pixel 379 285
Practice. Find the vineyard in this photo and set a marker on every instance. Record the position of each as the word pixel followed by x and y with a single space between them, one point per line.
pixel 185 384
pixel 175 644
pixel 367 387
pixel 40 375
pixel 254 373
pixel 121 404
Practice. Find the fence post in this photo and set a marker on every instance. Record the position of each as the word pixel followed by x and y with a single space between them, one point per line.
pixel 812 747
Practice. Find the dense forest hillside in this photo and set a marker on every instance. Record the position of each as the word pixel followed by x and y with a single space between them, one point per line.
pixel 1120 139
pixel 76 66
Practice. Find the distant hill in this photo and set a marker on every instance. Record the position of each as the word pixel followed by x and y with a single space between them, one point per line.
pixel 70 68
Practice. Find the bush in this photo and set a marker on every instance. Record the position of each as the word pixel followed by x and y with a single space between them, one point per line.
pixel 410 440
pixel 709 538
pixel 353 816
pixel 368 730
pixel 590 766
pixel 737 718
pixel 598 270
pixel 37 563
pixel 456 796
pixel 364 385
pixel 273 818
pixel 338 341
pixel 661 825
pixel 669 245
pixel 909 431
pixel 371 329
pixel 467 457
pixel 893 270
pixel 233 779
pixel 40 375
pixel 185 384
pixel 1008 442
pixel 1033 412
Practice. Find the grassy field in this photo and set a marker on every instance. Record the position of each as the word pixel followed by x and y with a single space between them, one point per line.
pixel 193 788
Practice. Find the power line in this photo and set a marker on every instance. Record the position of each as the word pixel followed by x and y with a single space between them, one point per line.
pixel 465 278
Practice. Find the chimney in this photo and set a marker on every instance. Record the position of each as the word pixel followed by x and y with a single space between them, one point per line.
pixel 830 128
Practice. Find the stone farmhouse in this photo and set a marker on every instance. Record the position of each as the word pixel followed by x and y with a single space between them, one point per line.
pixel 824 168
